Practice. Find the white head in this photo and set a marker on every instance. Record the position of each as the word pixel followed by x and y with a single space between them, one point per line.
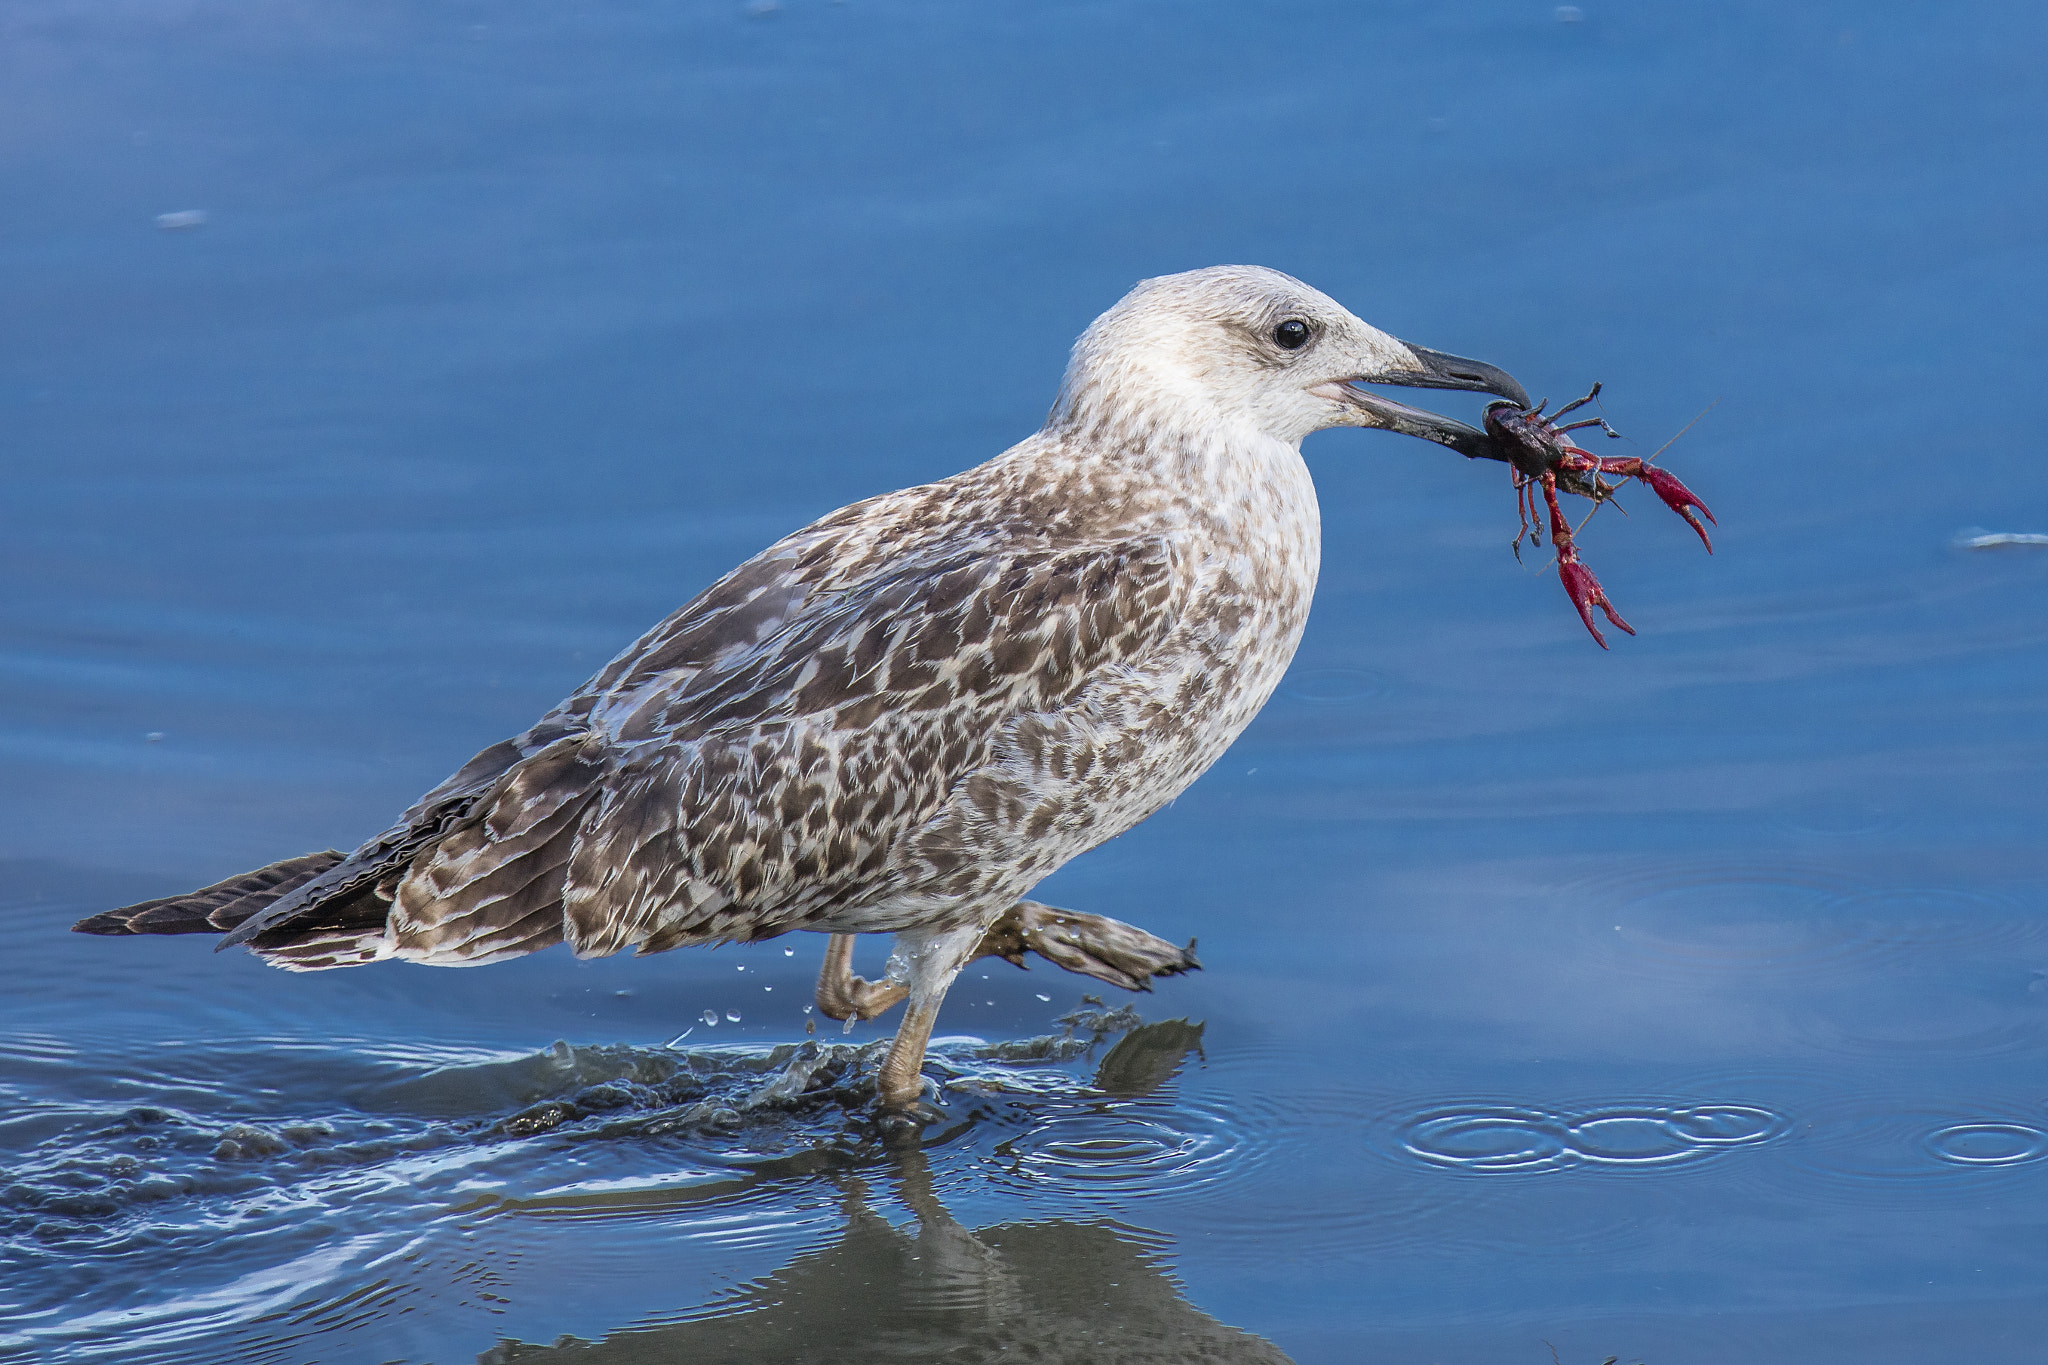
pixel 1247 347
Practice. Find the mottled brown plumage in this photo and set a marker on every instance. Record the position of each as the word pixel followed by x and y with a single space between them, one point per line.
pixel 904 715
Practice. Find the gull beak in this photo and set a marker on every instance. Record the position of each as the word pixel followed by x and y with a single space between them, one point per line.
pixel 1432 370
pixel 1441 370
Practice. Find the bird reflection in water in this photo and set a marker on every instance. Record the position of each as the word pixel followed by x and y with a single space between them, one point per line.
pixel 933 1290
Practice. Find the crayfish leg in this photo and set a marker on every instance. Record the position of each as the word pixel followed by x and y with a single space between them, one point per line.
pixel 1577 403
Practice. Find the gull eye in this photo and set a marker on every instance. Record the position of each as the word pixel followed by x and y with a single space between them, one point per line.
pixel 1291 335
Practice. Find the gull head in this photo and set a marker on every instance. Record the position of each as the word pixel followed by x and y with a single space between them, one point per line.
pixel 1244 348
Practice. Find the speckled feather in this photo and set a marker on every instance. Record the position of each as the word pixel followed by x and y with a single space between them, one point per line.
pixel 907 713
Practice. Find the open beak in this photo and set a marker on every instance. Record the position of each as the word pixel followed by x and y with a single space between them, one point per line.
pixel 1435 370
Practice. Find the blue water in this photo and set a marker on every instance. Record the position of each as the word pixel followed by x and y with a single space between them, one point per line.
pixel 1682 1003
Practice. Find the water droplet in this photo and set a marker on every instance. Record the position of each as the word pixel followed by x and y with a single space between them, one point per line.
pixel 789 952
pixel 1046 998
pixel 710 1018
pixel 182 220
pixel 732 1016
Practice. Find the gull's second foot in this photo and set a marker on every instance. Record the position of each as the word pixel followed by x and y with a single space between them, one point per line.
pixel 1106 949
pixel 842 995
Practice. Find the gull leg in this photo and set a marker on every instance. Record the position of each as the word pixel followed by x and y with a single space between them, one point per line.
pixel 934 958
pixel 1106 949
pixel 842 995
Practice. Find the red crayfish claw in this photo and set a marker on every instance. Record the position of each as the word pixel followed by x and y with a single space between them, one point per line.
pixel 1679 499
pixel 1586 593
pixel 1579 583
pixel 1663 483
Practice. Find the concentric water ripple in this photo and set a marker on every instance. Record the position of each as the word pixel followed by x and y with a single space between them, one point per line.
pixel 1501 1138
pixel 1987 1144
pixel 1121 1150
pixel 1240 1154
pixel 1867 1152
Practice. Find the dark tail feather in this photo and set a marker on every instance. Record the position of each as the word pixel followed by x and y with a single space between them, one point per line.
pixel 212 909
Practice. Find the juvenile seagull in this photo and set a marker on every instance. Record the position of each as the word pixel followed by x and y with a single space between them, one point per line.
pixel 901 717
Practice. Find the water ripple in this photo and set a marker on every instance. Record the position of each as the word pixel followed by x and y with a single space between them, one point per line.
pixel 1488 1138
pixel 1869 1151
pixel 733 1147
pixel 1121 1150
pixel 1987 1144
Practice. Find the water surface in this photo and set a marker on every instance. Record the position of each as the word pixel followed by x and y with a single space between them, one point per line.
pixel 1682 1003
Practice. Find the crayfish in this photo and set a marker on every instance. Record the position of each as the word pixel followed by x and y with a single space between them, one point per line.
pixel 1544 458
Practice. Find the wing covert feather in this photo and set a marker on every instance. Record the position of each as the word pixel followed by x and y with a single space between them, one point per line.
pixel 763 752
pixel 751 798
